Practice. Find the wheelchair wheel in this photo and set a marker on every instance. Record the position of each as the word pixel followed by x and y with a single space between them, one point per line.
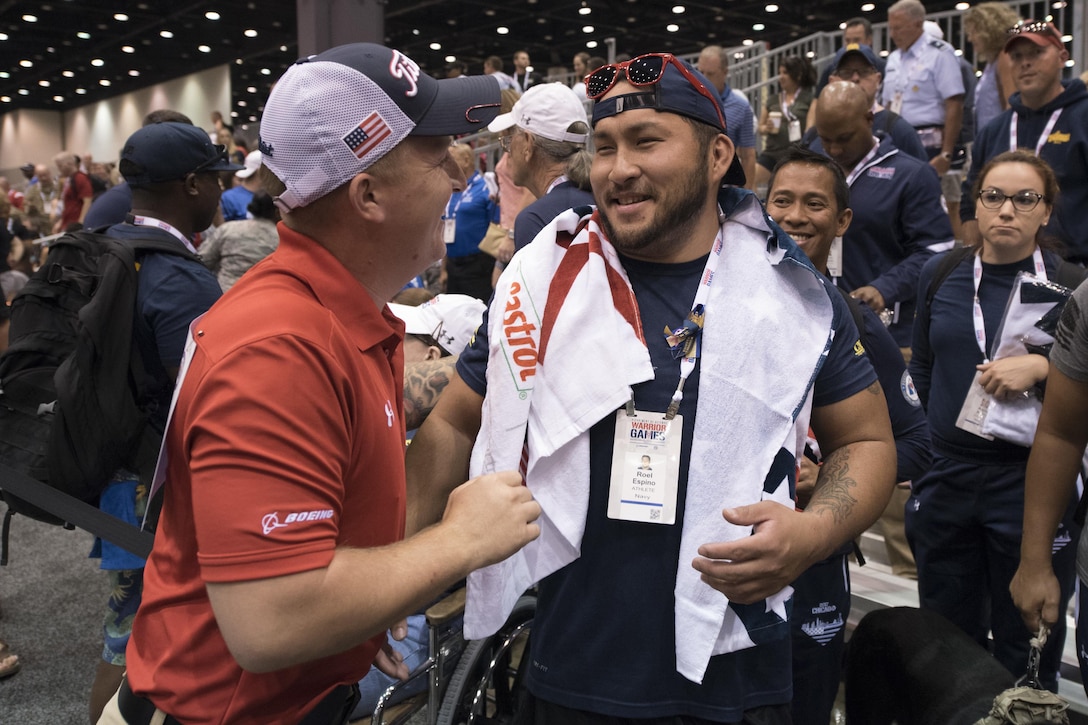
pixel 486 684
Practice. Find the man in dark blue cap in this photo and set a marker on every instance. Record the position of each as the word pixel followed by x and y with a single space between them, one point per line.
pixel 172 170
pixel 278 561
pixel 674 321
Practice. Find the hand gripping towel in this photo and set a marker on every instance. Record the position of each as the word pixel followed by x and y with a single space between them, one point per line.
pixel 768 329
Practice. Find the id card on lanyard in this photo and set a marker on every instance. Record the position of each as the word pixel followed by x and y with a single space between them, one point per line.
pixel 645 477
pixel 976 404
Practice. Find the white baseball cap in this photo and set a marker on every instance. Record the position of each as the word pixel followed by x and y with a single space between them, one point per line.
pixel 253 162
pixel 450 319
pixel 331 116
pixel 546 110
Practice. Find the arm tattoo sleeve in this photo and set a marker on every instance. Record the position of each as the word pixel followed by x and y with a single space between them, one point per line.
pixel 423 383
pixel 834 487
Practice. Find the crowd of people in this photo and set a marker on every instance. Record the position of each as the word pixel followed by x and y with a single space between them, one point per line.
pixel 685 502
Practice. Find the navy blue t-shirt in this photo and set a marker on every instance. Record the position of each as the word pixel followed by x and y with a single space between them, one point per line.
pixel 111 207
pixel 943 361
pixel 603 635
pixel 541 212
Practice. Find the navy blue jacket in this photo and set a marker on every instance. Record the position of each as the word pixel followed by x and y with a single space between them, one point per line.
pixel 1066 150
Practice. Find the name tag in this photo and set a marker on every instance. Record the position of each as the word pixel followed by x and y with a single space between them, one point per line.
pixel 975 407
pixel 645 467
pixel 449 231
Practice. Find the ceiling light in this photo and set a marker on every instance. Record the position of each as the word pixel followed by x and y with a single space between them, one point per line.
pixel 204 48
pixel 771 8
pixel 265 72
pixel 587 28
pixel 81 91
pixel 436 46
pixel 104 82
pixel 127 49
pixel 4 74
pixel 68 74
pixel 30 18
pixel 26 63
pixel 1070 63
pixel 242 104
pixel 585 11
pixel 211 15
pixel 43 83
pixel 253 118
pixel 250 33
pixel 24 92
pixel 672 27
pixel 283 48
pixel 5 99
pixel 502 30
pixel 489 13
pixel 83 35
pixel 98 62
pixel 1067 38
pixel 58 99
pixel 748 41
pixel 120 17
pixel 451 58
pixel 134 72
pixel 962 6
pixel 234 114
pixel 3 36
pixel 166 34
pixel 678 9
pixel 759 26
pixel 591 44
pixel 251 89
pixel 868 8
pixel 1059 5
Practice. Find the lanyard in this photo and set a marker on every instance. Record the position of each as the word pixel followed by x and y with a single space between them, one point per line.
pixel 148 221
pixel 692 330
pixel 979 320
pixel 787 106
pixel 1042 137
pixel 861 165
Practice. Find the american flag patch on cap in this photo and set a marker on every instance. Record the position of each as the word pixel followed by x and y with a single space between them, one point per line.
pixel 368 134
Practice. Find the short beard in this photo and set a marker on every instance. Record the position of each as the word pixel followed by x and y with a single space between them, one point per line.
pixel 668 224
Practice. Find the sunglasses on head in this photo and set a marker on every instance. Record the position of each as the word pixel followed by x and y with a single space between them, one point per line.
pixel 641 71
pixel 1035 27
pixel 221 154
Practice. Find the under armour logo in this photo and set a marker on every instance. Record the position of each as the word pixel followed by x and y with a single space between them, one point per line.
pixel 404 67
pixel 264 147
pixel 271 522
pixel 389 413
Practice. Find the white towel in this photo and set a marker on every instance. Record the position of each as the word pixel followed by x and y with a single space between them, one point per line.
pixel 768 326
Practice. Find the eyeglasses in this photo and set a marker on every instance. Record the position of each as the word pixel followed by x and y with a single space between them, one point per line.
pixel 644 70
pixel 220 155
pixel 847 74
pixel 1021 200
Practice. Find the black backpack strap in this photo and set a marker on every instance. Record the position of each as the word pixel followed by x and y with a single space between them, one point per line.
pixel 949 263
pixel 76 512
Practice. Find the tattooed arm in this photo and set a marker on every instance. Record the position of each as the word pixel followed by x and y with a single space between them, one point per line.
pixel 423 383
pixel 852 490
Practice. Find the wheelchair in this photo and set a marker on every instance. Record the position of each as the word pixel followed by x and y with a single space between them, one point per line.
pixel 468 682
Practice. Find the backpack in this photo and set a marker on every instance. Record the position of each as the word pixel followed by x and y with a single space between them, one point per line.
pixel 75 395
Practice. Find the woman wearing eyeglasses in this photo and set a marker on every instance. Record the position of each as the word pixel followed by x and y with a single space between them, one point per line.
pixel 964 517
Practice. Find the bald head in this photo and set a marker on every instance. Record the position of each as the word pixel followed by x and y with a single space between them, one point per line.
pixel 844 123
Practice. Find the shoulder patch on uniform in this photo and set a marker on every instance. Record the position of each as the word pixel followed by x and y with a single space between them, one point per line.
pixel 910 393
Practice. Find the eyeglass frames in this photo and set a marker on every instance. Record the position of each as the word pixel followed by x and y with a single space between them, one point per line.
pixel 1021 200
pixel 644 70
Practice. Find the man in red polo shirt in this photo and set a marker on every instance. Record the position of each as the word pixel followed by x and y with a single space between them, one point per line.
pixel 278 563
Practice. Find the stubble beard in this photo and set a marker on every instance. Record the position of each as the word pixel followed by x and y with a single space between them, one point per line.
pixel 670 226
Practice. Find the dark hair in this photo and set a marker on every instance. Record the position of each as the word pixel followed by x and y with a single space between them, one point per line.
pixel 1051 188
pixel 799 155
pixel 494 61
pixel 595 62
pixel 165 115
pixel 262 206
pixel 864 22
pixel 799 69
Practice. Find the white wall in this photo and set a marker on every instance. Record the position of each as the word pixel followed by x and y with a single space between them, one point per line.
pixel 101 128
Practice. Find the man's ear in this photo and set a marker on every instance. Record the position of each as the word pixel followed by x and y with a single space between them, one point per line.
pixel 368 195
pixel 722 152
